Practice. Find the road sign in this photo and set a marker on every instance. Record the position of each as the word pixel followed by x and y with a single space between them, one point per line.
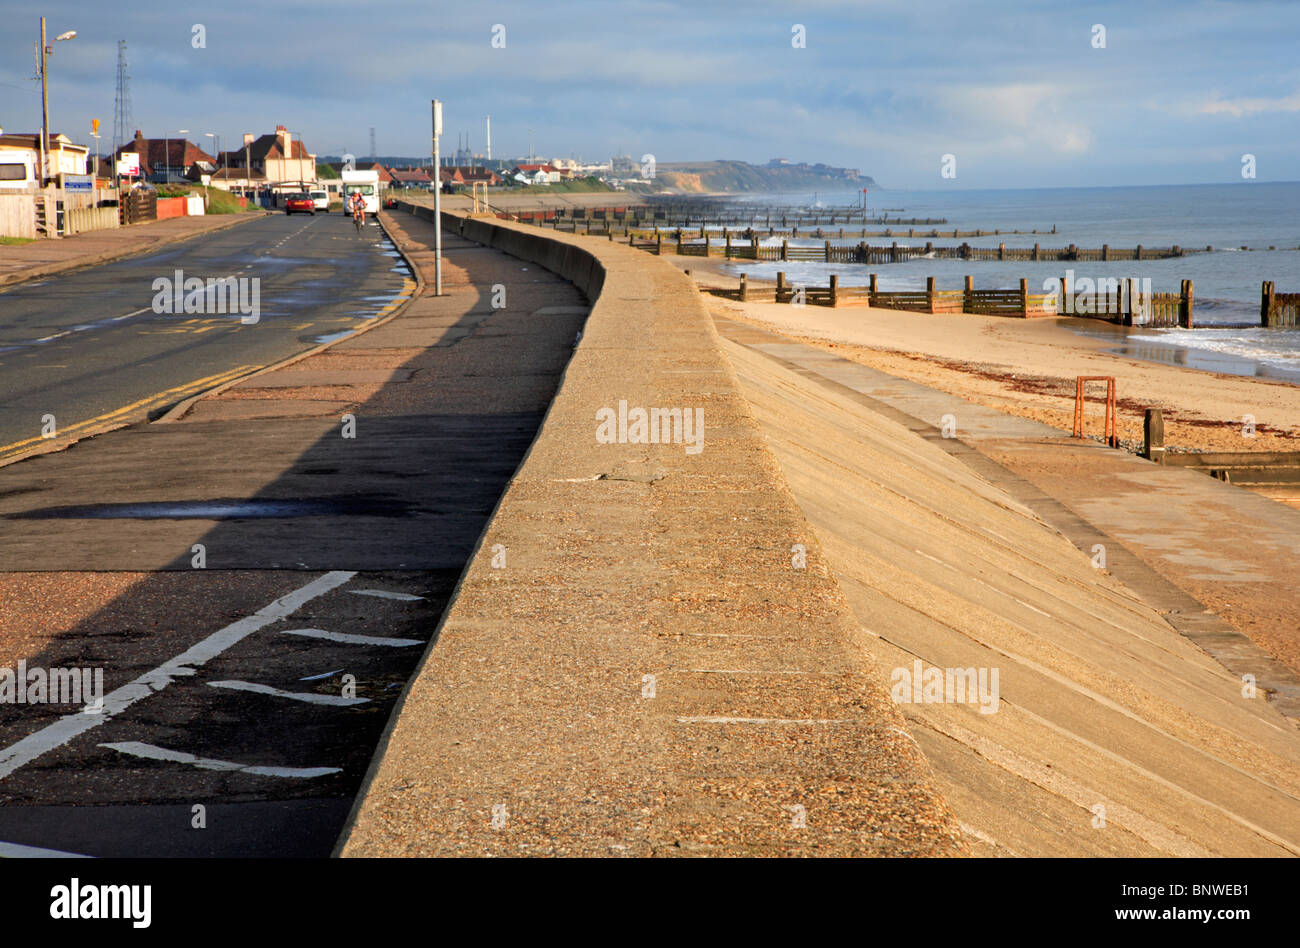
pixel 128 164
pixel 437 117
pixel 79 182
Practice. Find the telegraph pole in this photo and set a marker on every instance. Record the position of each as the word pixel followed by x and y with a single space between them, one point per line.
pixel 437 201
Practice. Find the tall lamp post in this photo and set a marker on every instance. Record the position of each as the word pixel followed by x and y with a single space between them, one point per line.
pixel 179 131
pixel 47 50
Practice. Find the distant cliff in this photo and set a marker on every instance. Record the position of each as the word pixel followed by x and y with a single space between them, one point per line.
pixel 734 177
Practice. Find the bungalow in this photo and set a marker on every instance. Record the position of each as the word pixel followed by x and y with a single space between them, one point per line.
pixel 167 159
pixel 553 174
pixel 472 175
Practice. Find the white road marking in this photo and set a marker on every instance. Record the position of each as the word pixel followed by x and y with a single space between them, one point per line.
pixel 323 675
pixel 347 639
pixel 151 682
pixel 153 752
pixel 384 594
pixel 19 851
pixel 721 719
pixel 310 697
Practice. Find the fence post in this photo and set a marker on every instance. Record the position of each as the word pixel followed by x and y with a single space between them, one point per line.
pixel 1266 304
pixel 871 290
pixel 1153 435
pixel 929 294
pixel 835 289
pixel 744 288
pixel 785 249
pixel 1024 297
pixel 780 285
pixel 1185 307
pixel 968 294
pixel 828 252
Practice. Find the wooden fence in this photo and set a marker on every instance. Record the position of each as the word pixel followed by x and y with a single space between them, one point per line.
pixel 18 215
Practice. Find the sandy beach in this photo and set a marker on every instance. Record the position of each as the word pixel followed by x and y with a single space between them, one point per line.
pixel 1028 368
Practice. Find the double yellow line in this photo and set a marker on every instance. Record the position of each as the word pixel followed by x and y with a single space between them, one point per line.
pixel 65 435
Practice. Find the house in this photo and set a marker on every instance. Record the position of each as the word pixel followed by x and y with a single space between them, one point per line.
pixel 412 178
pixel 20 159
pixel 278 157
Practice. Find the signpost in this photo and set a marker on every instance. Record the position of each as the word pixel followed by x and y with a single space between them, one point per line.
pixel 437 201
pixel 128 164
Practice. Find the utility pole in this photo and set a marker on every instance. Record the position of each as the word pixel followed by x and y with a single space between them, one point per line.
pixel 45 109
pixel 437 201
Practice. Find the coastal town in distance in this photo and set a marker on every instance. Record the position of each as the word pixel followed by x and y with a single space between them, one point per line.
pixel 837 431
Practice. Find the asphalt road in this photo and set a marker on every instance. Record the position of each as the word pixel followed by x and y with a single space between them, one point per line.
pixel 88 347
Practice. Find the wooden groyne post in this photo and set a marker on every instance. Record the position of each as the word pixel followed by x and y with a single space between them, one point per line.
pixel 1153 435
pixel 1266 293
pixel 1185 320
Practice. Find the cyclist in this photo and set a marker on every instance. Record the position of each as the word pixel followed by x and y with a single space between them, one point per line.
pixel 357 205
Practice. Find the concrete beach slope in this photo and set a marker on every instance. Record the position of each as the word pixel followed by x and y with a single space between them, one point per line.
pixel 1113 733
pixel 633 663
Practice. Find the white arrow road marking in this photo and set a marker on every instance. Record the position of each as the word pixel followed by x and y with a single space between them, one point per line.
pixel 308 696
pixel 151 682
pixel 19 851
pixel 347 639
pixel 384 594
pixel 152 752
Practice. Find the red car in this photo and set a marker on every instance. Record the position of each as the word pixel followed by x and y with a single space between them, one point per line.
pixel 300 202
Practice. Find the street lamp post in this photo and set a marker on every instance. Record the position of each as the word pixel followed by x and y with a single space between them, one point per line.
pixel 179 131
pixel 46 52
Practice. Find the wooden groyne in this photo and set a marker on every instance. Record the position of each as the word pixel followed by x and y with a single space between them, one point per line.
pixel 1124 302
pixel 730 247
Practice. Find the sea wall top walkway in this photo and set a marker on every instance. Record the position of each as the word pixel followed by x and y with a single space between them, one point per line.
pixel 647 653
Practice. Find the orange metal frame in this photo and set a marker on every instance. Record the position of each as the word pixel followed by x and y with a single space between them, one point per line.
pixel 1079 384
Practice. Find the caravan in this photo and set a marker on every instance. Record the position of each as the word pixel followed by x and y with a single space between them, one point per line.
pixel 367 182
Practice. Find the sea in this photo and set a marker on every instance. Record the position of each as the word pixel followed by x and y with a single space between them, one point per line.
pixel 1253 228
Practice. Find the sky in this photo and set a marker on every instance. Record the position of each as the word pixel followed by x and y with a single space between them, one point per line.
pixel 1019 93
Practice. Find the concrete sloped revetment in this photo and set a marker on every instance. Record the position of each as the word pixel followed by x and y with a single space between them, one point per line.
pixel 648 672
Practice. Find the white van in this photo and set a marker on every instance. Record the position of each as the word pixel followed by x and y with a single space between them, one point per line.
pixel 321 198
pixel 367 182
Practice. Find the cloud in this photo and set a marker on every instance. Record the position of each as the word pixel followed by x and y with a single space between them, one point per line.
pixel 1249 106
